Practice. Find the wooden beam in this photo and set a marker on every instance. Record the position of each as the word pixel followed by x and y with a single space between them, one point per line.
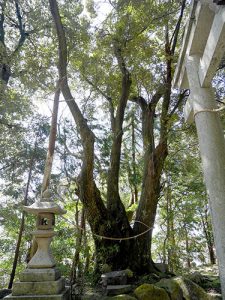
pixel 203 21
pixel 179 72
pixel 195 37
pixel 214 50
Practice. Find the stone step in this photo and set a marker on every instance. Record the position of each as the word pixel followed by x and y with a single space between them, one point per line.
pixel 38 288
pixel 65 295
pixel 118 289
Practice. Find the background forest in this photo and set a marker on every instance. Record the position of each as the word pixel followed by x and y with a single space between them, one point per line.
pixel 123 151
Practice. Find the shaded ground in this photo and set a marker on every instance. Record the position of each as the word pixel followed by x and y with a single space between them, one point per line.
pixel 205 276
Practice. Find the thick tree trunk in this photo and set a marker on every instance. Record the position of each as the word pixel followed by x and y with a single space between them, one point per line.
pixel 112 221
pixel 114 203
pixel 146 212
pixel 154 158
pixel 76 259
pixel 99 218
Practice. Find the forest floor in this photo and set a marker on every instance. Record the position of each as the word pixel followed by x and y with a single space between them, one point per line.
pixel 205 276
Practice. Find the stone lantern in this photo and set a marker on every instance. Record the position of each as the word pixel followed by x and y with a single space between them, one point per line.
pixel 42 279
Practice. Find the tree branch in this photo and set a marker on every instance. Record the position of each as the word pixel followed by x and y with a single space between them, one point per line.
pixel 173 40
pixel 108 98
pixel 2 20
pixel 152 22
pixel 52 140
pixel 21 26
pixel 180 99
pixel 120 58
pixel 139 100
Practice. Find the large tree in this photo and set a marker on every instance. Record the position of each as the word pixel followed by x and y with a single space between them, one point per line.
pixel 126 43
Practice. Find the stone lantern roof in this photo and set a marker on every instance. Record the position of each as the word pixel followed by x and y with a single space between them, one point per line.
pixel 45 204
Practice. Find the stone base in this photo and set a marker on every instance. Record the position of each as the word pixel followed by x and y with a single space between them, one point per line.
pixel 65 295
pixel 32 275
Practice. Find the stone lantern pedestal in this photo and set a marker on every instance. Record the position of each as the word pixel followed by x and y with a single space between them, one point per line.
pixel 41 280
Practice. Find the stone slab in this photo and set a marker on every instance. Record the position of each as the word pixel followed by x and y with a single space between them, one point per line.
pixel 162 267
pixel 118 289
pixel 65 295
pixel 38 288
pixel 39 275
pixel 114 278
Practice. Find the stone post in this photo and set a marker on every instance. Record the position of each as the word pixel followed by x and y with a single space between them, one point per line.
pixel 212 150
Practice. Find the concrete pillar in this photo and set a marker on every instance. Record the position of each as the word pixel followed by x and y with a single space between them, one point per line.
pixel 212 149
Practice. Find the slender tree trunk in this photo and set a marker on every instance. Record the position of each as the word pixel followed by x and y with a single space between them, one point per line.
pixel 21 229
pixel 134 177
pixel 132 170
pixel 49 156
pixel 187 247
pixel 207 229
pixel 168 227
pixel 87 251
pixel 51 143
pixel 172 254
pixel 164 257
pixel 76 260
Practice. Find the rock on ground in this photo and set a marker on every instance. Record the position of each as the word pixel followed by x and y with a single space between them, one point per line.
pixel 149 291
pixel 182 288
pixel 4 293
